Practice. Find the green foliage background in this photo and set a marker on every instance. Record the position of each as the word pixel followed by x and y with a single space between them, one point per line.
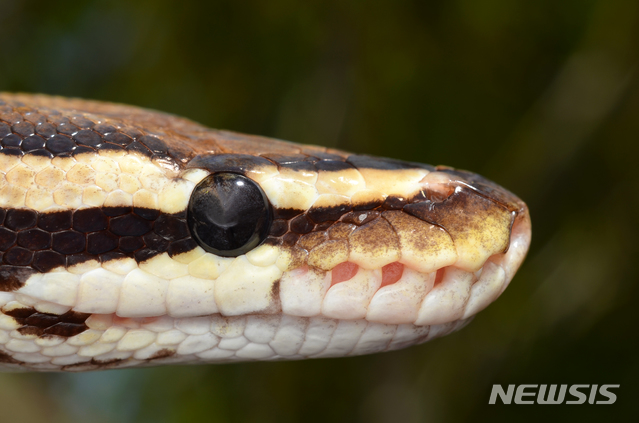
pixel 540 96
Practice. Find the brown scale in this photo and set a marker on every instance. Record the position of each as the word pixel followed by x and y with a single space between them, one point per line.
pixel 39 324
pixel 38 242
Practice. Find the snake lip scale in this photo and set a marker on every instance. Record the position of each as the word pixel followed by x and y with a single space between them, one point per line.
pixel 131 237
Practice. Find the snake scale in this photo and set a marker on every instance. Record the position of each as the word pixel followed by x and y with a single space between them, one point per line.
pixel 130 237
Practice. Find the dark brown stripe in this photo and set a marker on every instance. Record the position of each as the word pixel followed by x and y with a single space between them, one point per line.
pixel 291 225
pixel 38 242
pixel 33 322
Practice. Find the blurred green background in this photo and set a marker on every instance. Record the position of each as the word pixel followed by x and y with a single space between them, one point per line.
pixel 540 96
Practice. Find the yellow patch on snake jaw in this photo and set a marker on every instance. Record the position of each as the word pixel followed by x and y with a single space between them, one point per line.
pixel 424 247
pixel 172 284
pixel 478 226
pixel 374 245
pixel 329 254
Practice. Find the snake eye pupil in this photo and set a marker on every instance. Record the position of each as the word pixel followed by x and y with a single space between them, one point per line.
pixel 228 214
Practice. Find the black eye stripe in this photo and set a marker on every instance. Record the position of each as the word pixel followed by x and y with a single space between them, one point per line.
pixel 32 241
pixel 228 214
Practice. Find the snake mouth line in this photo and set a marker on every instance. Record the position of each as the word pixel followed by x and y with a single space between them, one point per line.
pixel 399 294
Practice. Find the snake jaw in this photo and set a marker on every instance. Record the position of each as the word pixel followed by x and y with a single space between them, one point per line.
pixel 473 238
pixel 458 248
pixel 364 254
pixel 472 234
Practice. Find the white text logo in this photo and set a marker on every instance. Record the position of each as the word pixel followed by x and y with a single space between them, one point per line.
pixel 553 394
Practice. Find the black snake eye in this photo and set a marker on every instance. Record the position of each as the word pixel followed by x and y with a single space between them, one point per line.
pixel 228 214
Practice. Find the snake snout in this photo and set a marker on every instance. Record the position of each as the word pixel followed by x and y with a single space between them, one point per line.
pixel 435 258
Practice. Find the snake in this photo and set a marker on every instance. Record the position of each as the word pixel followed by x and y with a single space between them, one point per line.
pixel 131 237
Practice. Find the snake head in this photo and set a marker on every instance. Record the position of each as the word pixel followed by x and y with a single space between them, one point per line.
pixel 357 237
pixel 132 237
